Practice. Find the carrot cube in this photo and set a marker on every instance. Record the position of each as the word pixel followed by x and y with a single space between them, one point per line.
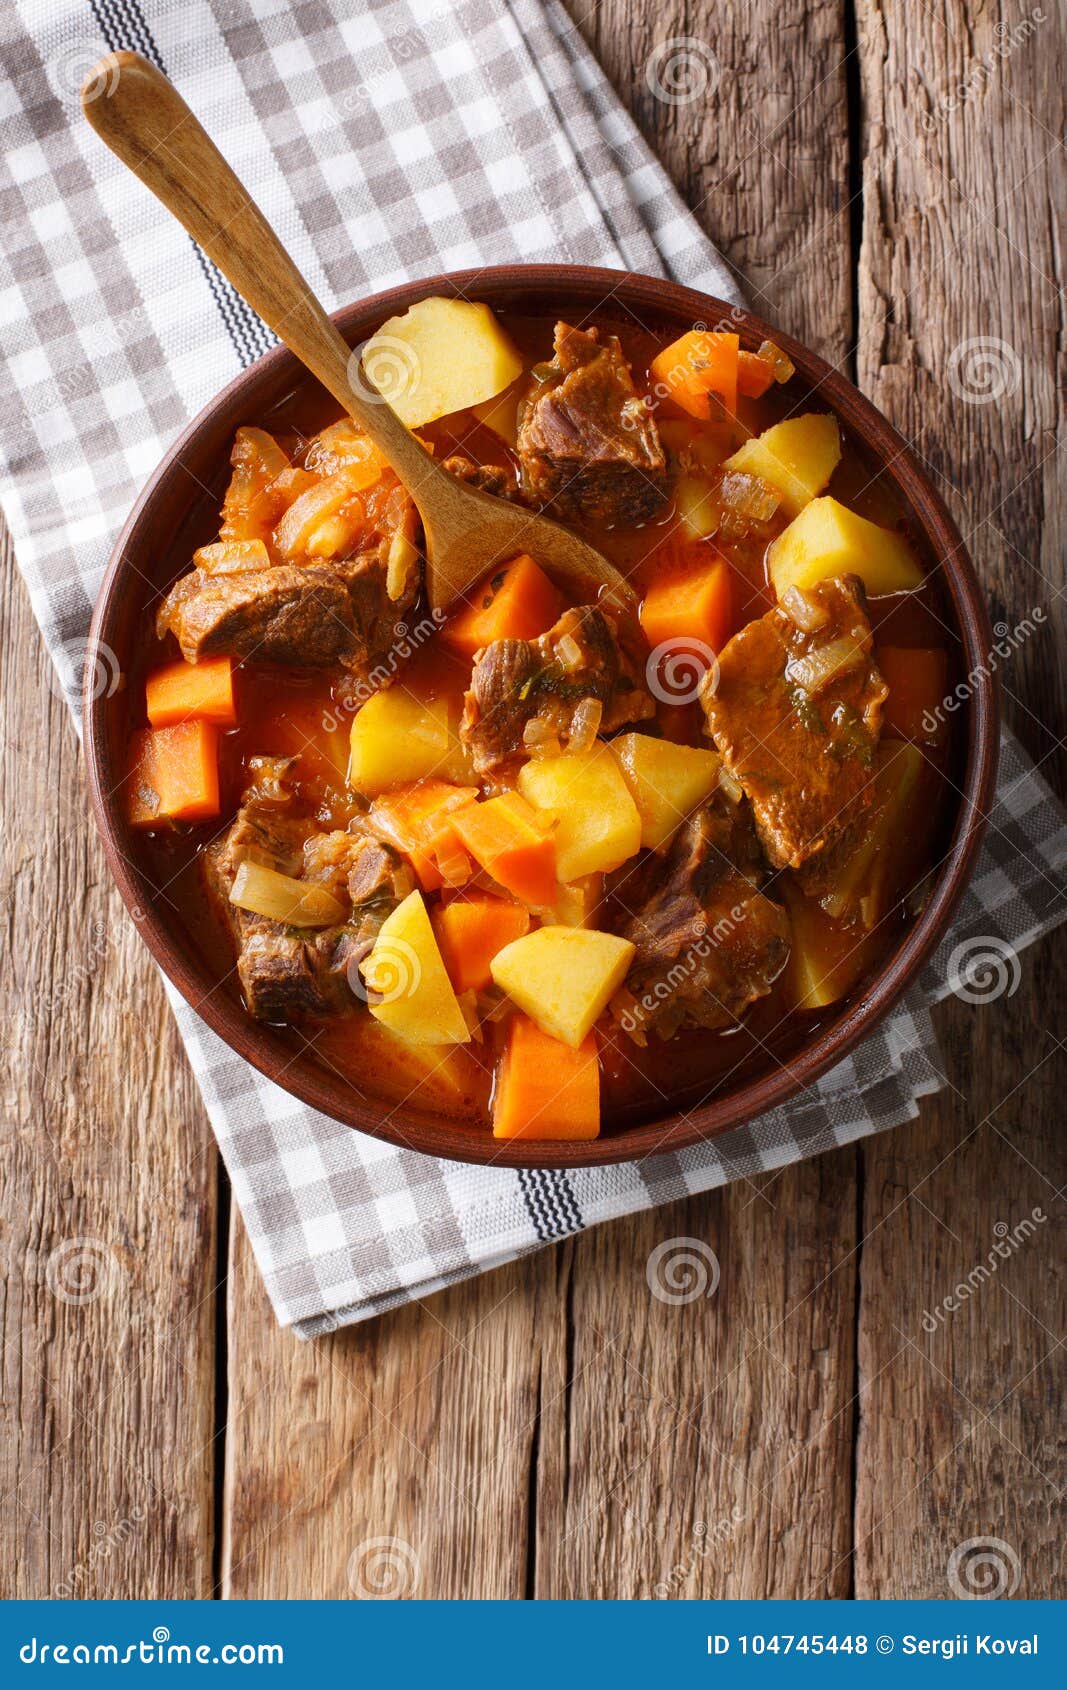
pixel 185 690
pixel 754 375
pixel 694 607
pixel 544 1089
pixel 503 836
pixel 174 774
pixel 471 931
pixel 518 603
pixel 695 366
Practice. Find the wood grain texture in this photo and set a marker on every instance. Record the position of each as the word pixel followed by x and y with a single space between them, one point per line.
pixel 107 1203
pixel 961 343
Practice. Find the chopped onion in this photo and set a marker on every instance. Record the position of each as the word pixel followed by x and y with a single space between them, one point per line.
pixel 569 652
pixel 468 1004
pixel 454 865
pixel 817 669
pixel 585 724
pixel 804 610
pixel 263 891
pixel 784 366
pixel 540 738
pixel 749 496
pixel 729 784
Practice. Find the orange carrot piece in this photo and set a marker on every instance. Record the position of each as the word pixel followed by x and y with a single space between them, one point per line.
pixel 544 1089
pixel 917 678
pixel 695 366
pixel 754 375
pixel 469 933
pixel 518 603
pixel 503 836
pixel 184 690
pixel 695 607
pixel 417 820
pixel 174 774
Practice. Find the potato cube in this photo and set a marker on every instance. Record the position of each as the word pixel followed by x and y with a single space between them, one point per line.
pixel 667 782
pixel 396 738
pixel 563 977
pixel 441 356
pixel 597 823
pixel 828 539
pixel 405 972
pixel 797 457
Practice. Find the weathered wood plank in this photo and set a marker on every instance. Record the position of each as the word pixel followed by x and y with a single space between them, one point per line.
pixel 706 1449
pixel 107 1203
pixel 390 1459
pixel 961 340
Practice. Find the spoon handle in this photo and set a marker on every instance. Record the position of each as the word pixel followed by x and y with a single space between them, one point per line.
pixel 141 116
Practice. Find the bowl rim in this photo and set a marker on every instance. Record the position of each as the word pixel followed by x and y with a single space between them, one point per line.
pixel 257 1043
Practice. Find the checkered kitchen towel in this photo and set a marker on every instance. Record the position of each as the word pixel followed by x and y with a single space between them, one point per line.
pixel 384 140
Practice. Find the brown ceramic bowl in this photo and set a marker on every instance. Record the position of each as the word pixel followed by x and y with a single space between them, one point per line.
pixel 178 511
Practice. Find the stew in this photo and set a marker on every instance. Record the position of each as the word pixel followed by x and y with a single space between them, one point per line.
pixel 528 865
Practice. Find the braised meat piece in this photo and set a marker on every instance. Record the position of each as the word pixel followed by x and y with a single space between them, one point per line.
pixel 708 941
pixel 517 683
pixel 488 478
pixel 587 443
pixel 796 714
pixel 313 616
pixel 287 973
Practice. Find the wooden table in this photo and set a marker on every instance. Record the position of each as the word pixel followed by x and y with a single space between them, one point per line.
pixel 550 1430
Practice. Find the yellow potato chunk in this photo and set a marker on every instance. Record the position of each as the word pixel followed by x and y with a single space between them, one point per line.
pixel 797 457
pixel 667 782
pixel 406 973
pixel 563 977
pixel 396 738
pixel 442 355
pixel 828 539
pixel 597 824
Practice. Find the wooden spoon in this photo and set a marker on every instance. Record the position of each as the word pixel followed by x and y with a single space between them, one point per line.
pixel 141 116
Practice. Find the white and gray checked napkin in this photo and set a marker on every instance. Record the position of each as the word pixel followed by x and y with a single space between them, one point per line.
pixel 384 141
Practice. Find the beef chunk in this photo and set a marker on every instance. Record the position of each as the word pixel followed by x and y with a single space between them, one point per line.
pixel 516 682
pixel 796 716
pixel 708 941
pixel 314 616
pixel 289 973
pixel 587 443
pixel 488 478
